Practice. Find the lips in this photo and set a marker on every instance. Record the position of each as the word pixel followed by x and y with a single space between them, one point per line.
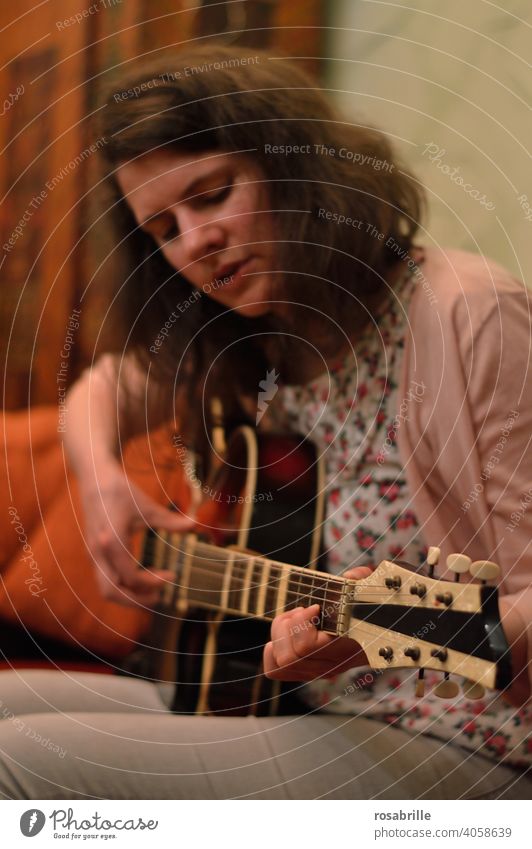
pixel 230 269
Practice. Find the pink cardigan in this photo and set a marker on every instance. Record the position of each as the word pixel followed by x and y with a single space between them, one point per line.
pixel 466 447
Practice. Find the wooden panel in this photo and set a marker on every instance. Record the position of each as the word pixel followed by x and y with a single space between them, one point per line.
pixel 54 56
pixel 41 176
pixel 24 197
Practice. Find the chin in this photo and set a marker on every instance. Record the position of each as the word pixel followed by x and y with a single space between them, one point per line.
pixel 253 310
pixel 252 301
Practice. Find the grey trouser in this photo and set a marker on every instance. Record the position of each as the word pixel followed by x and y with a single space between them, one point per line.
pixel 79 735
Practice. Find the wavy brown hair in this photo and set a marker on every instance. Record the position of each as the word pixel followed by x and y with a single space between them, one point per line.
pixel 216 98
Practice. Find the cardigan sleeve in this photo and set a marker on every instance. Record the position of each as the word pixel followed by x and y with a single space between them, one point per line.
pixel 468 446
pixel 500 400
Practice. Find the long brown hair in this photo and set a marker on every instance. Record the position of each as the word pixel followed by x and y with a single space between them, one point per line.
pixel 216 98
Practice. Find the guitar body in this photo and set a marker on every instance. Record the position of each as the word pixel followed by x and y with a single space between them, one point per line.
pixel 266 497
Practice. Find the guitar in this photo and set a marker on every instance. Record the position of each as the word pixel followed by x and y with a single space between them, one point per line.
pixel 213 619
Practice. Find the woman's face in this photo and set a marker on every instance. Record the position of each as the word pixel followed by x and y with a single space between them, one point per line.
pixel 210 214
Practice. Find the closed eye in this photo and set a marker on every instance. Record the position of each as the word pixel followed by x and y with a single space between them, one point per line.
pixel 218 196
pixel 207 199
pixel 169 235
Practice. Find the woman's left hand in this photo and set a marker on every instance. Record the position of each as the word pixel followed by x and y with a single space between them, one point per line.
pixel 299 652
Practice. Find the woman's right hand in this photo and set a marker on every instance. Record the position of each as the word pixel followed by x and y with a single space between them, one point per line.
pixel 114 509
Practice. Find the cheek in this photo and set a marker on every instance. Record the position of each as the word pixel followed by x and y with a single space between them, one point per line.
pixel 248 210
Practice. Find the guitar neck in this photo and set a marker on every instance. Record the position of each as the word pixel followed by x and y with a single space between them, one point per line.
pixel 400 618
pixel 242 584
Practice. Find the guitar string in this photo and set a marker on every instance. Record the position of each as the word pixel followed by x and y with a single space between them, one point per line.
pixel 307 577
pixel 279 573
pixel 281 569
pixel 325 617
pixel 303 575
pixel 307 580
pixel 325 620
pixel 275 584
pixel 315 594
pixel 329 624
pixel 205 551
pixel 312 593
pixel 360 627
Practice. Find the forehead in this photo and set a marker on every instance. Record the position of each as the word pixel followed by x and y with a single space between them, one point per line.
pixel 157 180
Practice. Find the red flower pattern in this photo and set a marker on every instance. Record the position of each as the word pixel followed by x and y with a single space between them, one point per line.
pixel 352 419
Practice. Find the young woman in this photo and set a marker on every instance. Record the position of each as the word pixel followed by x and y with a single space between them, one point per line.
pixel 262 231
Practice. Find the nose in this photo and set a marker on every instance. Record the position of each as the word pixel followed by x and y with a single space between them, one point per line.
pixel 199 237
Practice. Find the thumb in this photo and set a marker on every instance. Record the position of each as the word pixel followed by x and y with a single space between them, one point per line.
pixel 357 573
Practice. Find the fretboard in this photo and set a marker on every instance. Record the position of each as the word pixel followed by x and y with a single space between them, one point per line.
pixel 240 584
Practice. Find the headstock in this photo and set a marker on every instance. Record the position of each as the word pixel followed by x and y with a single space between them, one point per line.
pixel 403 618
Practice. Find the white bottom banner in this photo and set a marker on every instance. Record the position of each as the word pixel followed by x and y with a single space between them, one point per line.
pixel 242 824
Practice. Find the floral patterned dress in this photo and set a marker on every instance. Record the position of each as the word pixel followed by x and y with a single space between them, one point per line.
pixel 352 413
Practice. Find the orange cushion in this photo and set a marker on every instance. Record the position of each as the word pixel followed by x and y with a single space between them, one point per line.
pixel 47 579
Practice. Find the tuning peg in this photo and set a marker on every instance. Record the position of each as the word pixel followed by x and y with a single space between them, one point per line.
pixel 433 556
pixel 472 690
pixel 446 689
pixel 420 684
pixel 458 563
pixel 484 570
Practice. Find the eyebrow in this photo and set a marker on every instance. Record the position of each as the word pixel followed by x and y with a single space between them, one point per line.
pixel 186 192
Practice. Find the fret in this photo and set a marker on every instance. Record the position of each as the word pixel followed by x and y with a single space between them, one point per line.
pixel 333 605
pixel 207 578
pixel 272 591
pixel 237 583
pixel 244 604
pixel 173 564
pixel 241 591
pixel 324 607
pixel 159 550
pixel 279 605
pixel 307 598
pixel 299 594
pixel 312 592
pixel 226 585
pixel 263 588
pixel 269 595
pixel 234 587
pixel 318 586
pixel 253 597
pixel 294 587
pixel 184 584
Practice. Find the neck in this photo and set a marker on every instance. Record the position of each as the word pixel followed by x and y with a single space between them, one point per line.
pixel 241 584
pixel 299 361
